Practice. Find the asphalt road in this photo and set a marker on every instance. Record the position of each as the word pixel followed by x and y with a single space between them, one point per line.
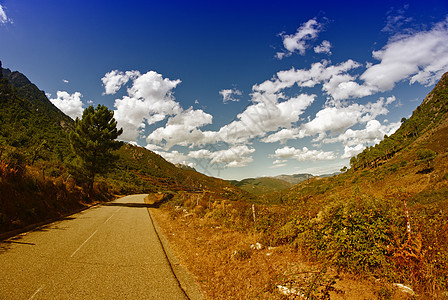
pixel 106 252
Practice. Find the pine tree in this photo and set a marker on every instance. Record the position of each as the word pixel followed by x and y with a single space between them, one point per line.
pixel 92 142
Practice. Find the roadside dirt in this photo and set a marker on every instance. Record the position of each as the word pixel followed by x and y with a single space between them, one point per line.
pixel 225 266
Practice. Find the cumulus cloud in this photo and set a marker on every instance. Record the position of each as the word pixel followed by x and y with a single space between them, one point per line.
pixel 264 116
pixel 352 151
pixel 229 95
pixel 65 81
pixel 337 119
pixel 115 79
pixel 69 104
pixel 3 18
pixel 175 157
pixel 373 133
pixel 235 157
pixel 303 154
pixel 418 57
pixel 299 40
pixel 325 48
pixel 319 73
pixel 182 129
pixel 274 113
pixel 150 100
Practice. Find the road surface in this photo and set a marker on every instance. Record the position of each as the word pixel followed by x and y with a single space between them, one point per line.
pixel 106 252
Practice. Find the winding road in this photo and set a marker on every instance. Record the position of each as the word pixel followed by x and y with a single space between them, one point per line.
pixel 111 251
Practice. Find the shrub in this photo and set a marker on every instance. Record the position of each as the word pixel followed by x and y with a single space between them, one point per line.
pixel 355 234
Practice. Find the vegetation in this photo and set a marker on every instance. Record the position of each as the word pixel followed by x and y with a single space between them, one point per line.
pixel 262 185
pixel 39 169
pixel 92 141
pixel 385 217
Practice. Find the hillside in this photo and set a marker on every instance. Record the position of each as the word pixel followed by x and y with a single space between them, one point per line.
pixel 29 121
pixel 391 205
pixel 262 185
pixel 34 154
pixel 383 220
pixel 294 178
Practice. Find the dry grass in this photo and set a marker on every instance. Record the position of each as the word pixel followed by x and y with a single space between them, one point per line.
pixel 226 267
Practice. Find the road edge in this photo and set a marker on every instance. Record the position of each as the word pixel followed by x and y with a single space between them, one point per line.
pixel 186 280
pixel 9 234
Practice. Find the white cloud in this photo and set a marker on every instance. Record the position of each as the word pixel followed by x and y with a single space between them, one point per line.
pixel 277 166
pixel 229 95
pixel 396 19
pixel 65 81
pixel 182 129
pixel 418 57
pixel 115 79
pixel 174 157
pixel 150 100
pixel 342 86
pixel 325 48
pixel 334 119
pixel 352 151
pixel 285 134
pixel 337 119
pixel 299 41
pixel 373 133
pixel 235 157
pixel 303 154
pixel 264 116
pixel 320 72
pixel 3 18
pixel 69 104
pixel 355 141
pixel 279 163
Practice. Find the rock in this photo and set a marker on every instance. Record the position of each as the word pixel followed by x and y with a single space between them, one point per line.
pixel 404 289
pixel 289 291
pixel 256 246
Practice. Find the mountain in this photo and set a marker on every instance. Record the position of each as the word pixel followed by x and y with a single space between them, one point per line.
pixel 34 153
pixel 411 160
pixel 386 216
pixel 28 120
pixel 35 98
pixel 294 178
pixel 262 185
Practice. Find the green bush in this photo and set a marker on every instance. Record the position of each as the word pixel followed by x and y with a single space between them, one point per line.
pixel 355 234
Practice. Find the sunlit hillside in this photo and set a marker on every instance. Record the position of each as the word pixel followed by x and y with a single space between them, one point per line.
pixel 35 183
pixel 385 217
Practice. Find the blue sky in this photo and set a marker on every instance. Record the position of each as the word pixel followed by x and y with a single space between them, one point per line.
pixel 236 89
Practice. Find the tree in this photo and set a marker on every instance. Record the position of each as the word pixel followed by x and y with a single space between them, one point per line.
pixel 92 142
pixel 427 156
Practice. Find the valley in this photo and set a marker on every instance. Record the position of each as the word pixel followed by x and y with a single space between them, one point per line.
pixel 378 225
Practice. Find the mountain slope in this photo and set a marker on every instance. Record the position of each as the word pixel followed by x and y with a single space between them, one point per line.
pixel 28 120
pixel 262 185
pixel 387 215
pixel 36 99
pixel 34 152
pixel 294 178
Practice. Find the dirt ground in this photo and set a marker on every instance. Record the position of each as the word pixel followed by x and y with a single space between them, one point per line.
pixel 226 267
